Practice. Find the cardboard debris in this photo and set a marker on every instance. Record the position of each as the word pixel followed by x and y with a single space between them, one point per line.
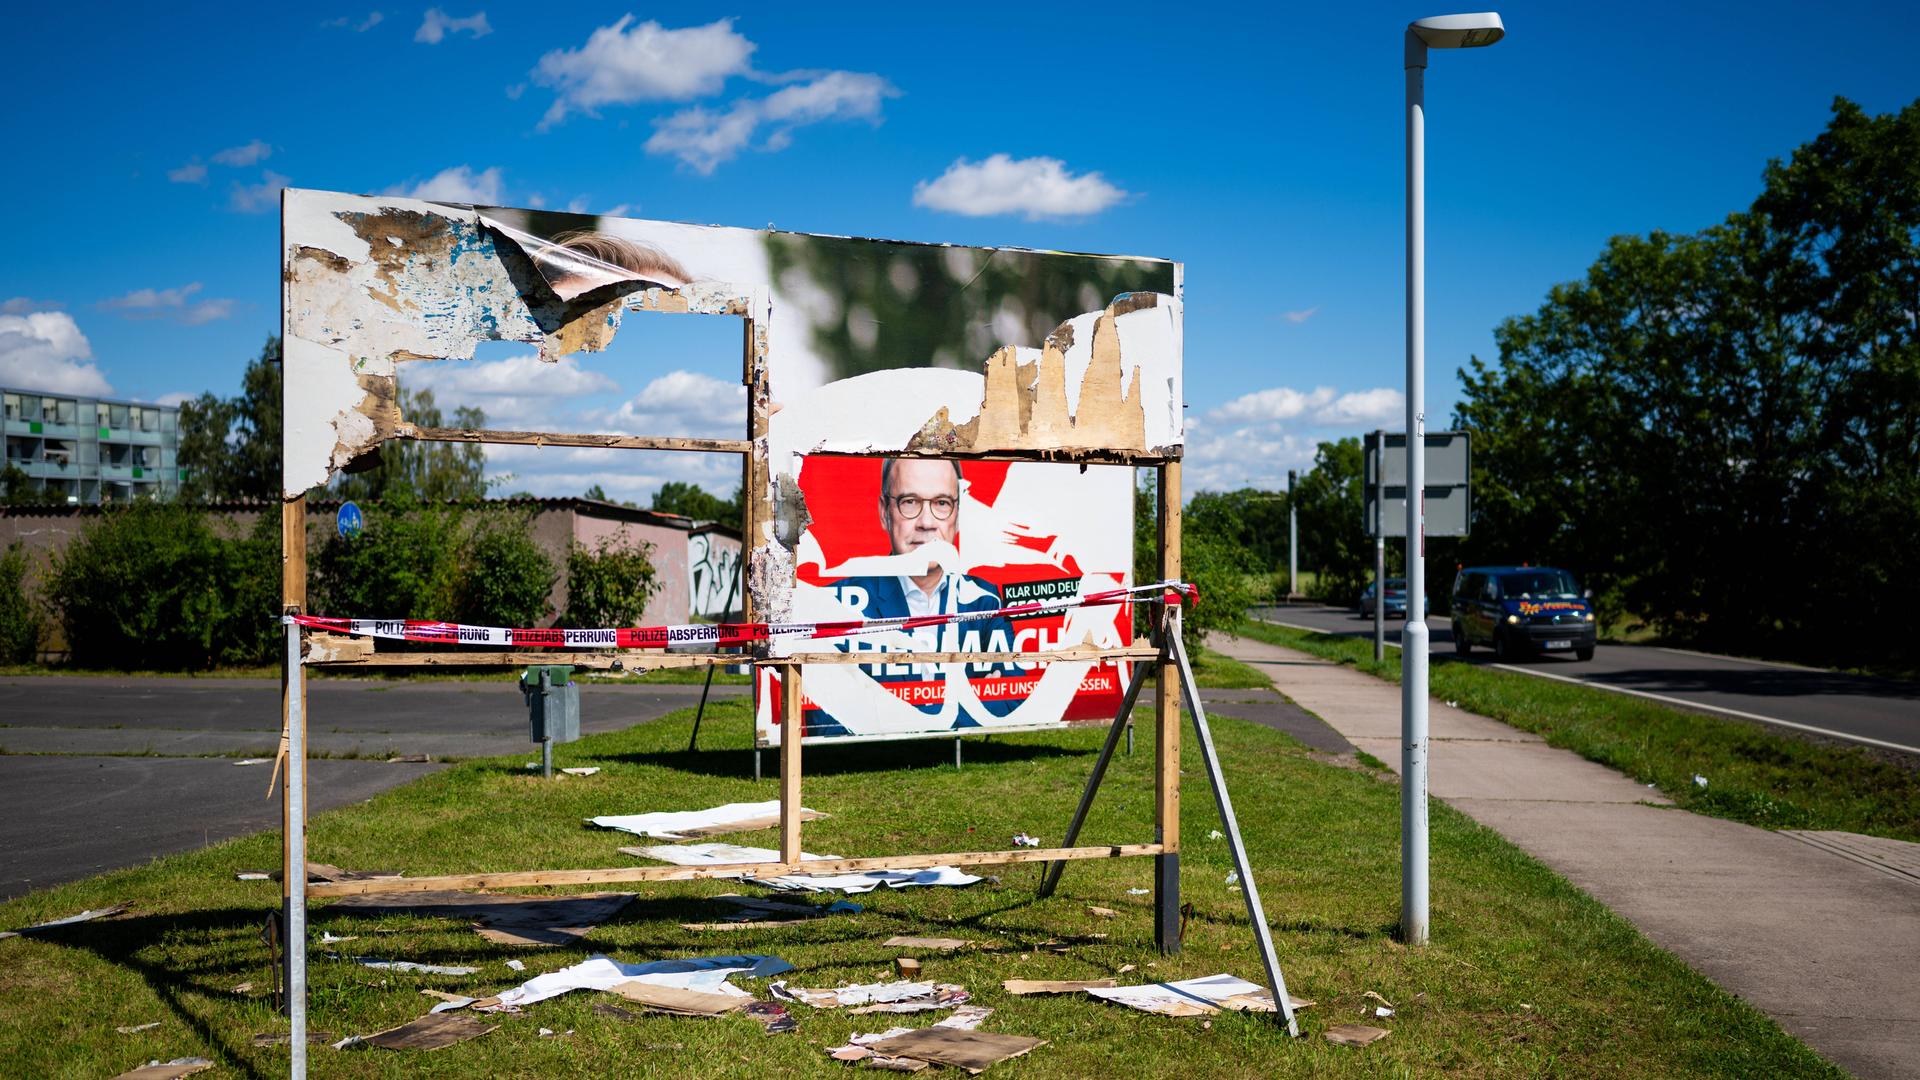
pixel 86 916
pixel 410 966
pixel 692 824
pixel 243 988
pixel 1355 1034
pixel 1023 987
pixel 167 1070
pixel 945 996
pixel 1371 995
pixel 722 854
pixel 907 967
pixel 530 921
pixel 904 942
pixel 430 1032
pixel 676 1000
pixel 973 1051
pixel 1195 997
pixel 772 1016
pixel 1101 912
pixel 129 1029
pixel 707 973
pixel 857 1049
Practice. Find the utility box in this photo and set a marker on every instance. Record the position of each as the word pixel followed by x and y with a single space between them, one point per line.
pixel 553 703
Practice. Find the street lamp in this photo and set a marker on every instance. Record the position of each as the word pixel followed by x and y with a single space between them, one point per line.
pixel 1439 32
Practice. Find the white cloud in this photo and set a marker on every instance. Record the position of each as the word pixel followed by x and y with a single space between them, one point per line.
pixel 175 304
pixel 459 184
pixel 1036 188
pixel 438 24
pixel 1254 439
pixel 192 172
pixel 45 350
pixel 1298 317
pixel 372 20
pixel 685 403
pixel 256 198
pixel 1275 403
pixel 517 376
pixel 702 138
pixel 241 156
pixel 1374 406
pixel 174 397
pixel 625 63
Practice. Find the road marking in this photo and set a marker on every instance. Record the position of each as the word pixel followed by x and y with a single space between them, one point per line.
pixel 1830 733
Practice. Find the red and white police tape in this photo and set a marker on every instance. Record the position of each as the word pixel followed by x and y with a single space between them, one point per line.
pixel 719 635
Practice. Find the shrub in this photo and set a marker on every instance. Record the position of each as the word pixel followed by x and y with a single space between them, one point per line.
pixel 609 584
pixel 20 619
pixel 413 561
pixel 154 585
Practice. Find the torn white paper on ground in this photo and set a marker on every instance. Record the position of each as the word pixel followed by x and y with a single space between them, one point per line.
pixel 581 770
pixel 90 913
pixel 863 994
pixel 1192 997
pixel 686 824
pixel 705 973
pixel 721 854
pixel 408 965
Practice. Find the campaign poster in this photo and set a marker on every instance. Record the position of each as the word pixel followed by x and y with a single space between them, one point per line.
pixel 915 536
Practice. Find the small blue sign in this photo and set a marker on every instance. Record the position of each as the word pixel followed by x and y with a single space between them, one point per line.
pixel 349 522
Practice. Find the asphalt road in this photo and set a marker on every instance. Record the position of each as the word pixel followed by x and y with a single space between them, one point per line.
pixel 1883 713
pixel 75 802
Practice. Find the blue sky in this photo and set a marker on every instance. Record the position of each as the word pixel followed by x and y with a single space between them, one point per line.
pixel 1263 148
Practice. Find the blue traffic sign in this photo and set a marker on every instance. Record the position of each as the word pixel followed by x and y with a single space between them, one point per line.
pixel 348 521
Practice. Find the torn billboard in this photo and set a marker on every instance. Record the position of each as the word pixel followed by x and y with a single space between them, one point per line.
pixel 856 351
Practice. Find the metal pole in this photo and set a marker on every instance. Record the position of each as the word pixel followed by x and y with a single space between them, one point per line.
pixel 1257 915
pixel 956 751
pixel 1413 639
pixel 1379 594
pixel 295 870
pixel 1293 541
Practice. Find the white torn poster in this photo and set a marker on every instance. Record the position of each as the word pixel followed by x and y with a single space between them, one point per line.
pixel 721 854
pixel 408 965
pixel 686 824
pixel 1192 997
pixel 899 996
pixel 705 973
pixel 85 916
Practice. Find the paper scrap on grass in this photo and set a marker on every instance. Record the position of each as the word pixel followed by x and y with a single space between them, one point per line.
pixel 1194 997
pixel 898 996
pixel 944 996
pixel 167 1070
pixel 85 916
pixel 706 973
pixel 581 770
pixel 430 1032
pixel 1355 1034
pixel 965 1018
pixel 505 920
pixel 722 854
pixel 772 1016
pixel 1023 987
pixel 689 824
pixel 677 1000
pixel 410 966
pixel 971 1050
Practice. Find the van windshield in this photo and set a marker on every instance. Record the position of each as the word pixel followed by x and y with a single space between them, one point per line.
pixel 1538 585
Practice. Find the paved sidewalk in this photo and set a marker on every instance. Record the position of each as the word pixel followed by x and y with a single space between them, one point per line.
pixel 1821 941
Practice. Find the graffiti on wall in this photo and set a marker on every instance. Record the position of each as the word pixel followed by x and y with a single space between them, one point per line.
pixel 713 574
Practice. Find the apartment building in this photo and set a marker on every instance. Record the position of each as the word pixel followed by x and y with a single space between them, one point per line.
pixel 85 451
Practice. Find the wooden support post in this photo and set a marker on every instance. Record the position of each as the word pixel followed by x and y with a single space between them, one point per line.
pixel 1166 804
pixel 293 601
pixel 791 732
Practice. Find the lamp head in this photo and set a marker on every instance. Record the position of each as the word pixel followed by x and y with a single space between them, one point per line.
pixel 1473 31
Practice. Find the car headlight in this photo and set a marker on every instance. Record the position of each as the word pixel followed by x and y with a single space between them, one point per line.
pixel 1589 616
pixel 1513 618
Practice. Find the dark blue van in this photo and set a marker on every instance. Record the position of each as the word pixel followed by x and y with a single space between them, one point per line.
pixel 1521 611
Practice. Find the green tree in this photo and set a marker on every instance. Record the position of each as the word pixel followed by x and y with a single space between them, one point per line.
pixel 1332 518
pixel 18 489
pixel 230 447
pixel 609 584
pixel 691 500
pixel 20 620
pixel 1703 411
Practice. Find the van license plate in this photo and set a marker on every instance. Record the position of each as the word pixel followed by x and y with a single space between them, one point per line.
pixel 1557 645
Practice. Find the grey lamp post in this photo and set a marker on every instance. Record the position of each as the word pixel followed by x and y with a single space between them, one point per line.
pixel 1439 32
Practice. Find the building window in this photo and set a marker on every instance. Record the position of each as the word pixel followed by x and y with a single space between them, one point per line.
pixel 64 411
pixel 117 416
pixel 12 405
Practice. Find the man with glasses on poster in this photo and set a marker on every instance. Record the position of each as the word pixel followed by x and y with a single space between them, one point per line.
pixel 920 509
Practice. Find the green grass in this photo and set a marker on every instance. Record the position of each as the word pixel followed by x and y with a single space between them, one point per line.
pixel 1754 775
pixel 1525 976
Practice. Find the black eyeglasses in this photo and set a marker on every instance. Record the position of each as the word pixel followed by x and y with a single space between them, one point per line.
pixel 909 506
